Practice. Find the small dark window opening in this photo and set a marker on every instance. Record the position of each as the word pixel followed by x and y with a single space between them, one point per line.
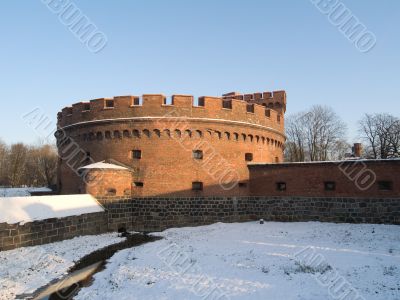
pixel 278 118
pixel 281 186
pixel 197 186
pixel 137 154
pixel 138 184
pixel 201 102
pixel 126 134
pixel 111 192
pixel 242 184
pixel 267 113
pixel 227 104
pixel 248 156
pixel 385 185
pixel 109 103
pixel 117 134
pixel 136 101
pixel 197 154
pixel 86 107
pixel 250 108
pixel 330 186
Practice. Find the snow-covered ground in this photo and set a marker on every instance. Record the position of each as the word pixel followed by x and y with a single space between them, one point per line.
pixel 24 270
pixel 253 261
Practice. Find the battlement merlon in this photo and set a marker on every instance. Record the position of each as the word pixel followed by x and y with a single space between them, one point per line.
pixel 274 100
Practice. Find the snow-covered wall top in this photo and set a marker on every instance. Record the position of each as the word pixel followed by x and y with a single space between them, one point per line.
pixel 21 192
pixel 28 209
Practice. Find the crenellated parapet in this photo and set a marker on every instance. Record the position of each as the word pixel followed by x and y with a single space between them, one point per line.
pixel 262 109
pixel 274 100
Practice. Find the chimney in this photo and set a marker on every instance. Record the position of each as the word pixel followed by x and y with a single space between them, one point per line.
pixel 357 149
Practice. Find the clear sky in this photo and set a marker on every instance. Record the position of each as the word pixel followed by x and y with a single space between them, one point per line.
pixel 204 47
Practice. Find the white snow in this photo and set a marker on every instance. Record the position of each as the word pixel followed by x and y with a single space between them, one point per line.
pixel 24 270
pixel 27 209
pixel 103 165
pixel 21 192
pixel 254 261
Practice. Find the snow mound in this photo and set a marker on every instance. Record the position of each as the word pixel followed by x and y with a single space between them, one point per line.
pixel 28 209
pixel 103 165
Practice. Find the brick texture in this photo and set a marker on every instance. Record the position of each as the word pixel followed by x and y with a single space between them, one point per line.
pixel 167 135
pixel 358 178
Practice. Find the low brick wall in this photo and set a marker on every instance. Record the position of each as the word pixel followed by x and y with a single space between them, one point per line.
pixel 51 230
pixel 155 214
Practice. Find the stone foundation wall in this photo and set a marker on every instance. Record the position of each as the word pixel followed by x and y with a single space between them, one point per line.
pixel 51 230
pixel 119 212
pixel 155 214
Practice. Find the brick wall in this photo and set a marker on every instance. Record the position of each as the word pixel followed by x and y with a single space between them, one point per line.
pixel 51 230
pixel 105 182
pixel 358 178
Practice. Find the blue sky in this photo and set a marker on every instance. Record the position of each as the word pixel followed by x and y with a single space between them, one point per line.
pixel 205 47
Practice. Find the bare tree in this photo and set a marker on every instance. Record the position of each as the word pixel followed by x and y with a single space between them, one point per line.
pixel 295 146
pixel 394 139
pixel 46 159
pixel 381 133
pixel 3 163
pixel 315 135
pixel 22 165
pixel 17 159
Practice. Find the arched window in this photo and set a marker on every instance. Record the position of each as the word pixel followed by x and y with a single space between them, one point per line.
pixel 146 132
pixel 198 134
pixel 99 136
pixel 188 133
pixel 157 132
pixel 91 136
pixel 136 133
pixel 126 134
pixel 178 133
pixel 117 134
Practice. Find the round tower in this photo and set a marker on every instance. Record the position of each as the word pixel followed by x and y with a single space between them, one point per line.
pixel 171 145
